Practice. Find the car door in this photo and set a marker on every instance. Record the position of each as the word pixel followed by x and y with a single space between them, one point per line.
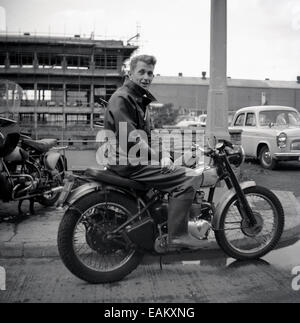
pixel 250 136
pixel 238 124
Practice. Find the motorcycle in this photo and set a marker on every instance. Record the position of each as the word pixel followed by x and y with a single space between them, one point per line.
pixel 110 222
pixel 29 169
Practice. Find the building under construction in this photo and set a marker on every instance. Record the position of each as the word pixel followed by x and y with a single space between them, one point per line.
pixel 64 80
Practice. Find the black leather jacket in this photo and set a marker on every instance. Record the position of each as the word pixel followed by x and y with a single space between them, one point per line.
pixel 128 104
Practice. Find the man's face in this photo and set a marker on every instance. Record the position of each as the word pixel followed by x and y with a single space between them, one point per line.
pixel 142 74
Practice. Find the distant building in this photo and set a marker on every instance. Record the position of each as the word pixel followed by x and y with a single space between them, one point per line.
pixel 63 79
pixel 190 94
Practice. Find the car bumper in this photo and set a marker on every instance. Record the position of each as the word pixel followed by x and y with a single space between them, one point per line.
pixel 287 156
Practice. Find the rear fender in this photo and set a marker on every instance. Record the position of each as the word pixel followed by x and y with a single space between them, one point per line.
pixel 225 200
pixel 91 187
pixel 51 159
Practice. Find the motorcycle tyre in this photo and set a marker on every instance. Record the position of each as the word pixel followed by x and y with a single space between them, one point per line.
pixel 221 237
pixel 65 239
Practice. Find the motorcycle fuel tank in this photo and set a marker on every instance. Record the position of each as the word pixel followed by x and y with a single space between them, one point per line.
pixel 209 177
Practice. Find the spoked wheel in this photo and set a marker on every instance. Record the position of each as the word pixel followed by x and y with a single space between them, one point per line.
pixel 85 245
pixel 242 241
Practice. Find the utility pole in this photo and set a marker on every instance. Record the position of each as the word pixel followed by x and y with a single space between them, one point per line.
pixel 217 106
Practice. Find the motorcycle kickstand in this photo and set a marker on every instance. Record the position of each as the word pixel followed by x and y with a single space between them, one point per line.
pixel 160 262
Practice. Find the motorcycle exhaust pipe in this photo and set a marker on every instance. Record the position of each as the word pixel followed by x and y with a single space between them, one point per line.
pixel 58 189
pixel 53 190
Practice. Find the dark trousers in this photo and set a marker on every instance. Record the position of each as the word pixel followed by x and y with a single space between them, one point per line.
pixel 181 183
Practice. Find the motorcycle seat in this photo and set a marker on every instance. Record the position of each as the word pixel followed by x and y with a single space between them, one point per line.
pixel 42 145
pixel 108 177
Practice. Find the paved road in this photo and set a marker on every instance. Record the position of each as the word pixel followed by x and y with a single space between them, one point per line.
pixel 205 280
pixel 286 177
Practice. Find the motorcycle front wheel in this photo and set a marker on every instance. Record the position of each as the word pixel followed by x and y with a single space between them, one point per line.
pixel 235 235
pixel 82 242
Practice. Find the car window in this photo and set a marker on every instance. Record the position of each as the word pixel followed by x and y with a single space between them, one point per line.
pixel 294 119
pixel 279 118
pixel 240 120
pixel 250 120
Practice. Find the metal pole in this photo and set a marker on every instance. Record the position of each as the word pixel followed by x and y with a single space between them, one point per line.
pixel 92 105
pixel 217 107
pixel 35 110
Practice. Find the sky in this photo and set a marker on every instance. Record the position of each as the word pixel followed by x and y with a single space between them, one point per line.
pixel 263 35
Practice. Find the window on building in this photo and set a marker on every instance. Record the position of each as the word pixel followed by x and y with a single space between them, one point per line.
pixel 42 118
pixel 26 118
pixel 27 59
pixel 72 61
pixel 54 119
pixel 14 59
pixel 104 92
pixel 43 60
pixel 107 62
pixel 28 95
pixel 78 119
pixel 84 62
pixel 77 98
pixel 111 62
pixel 55 61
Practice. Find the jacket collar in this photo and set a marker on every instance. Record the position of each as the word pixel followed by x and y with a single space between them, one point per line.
pixel 139 91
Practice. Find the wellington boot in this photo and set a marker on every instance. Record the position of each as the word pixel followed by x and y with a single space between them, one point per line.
pixel 178 236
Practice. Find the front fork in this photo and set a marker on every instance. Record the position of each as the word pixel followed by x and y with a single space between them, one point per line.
pixel 243 204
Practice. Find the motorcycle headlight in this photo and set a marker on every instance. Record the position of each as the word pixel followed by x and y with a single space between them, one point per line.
pixel 237 157
pixel 282 140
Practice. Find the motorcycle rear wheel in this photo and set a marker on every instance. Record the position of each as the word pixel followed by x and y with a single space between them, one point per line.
pixel 84 251
pixel 237 239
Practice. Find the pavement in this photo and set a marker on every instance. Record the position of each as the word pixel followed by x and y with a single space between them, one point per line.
pixel 35 236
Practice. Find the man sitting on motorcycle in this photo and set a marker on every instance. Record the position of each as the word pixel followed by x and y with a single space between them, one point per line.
pixel 129 105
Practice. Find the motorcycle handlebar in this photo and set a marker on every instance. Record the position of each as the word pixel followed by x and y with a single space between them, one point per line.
pixel 210 151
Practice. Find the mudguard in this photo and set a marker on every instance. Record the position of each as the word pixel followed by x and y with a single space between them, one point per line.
pixel 88 188
pixel 81 191
pixel 226 198
pixel 51 159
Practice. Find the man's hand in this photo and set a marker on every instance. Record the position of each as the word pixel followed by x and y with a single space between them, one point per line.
pixel 167 166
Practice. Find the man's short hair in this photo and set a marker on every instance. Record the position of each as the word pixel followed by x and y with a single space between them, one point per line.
pixel 148 59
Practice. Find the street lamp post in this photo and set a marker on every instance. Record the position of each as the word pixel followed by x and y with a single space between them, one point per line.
pixel 217 106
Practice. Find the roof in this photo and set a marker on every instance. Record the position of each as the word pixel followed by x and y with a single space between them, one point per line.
pixel 265 107
pixel 33 39
pixel 182 80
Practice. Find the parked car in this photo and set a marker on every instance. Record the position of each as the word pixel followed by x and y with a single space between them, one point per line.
pixel 202 120
pixel 191 122
pixel 270 133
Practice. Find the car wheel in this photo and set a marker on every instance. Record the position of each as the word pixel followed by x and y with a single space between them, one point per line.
pixel 266 159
